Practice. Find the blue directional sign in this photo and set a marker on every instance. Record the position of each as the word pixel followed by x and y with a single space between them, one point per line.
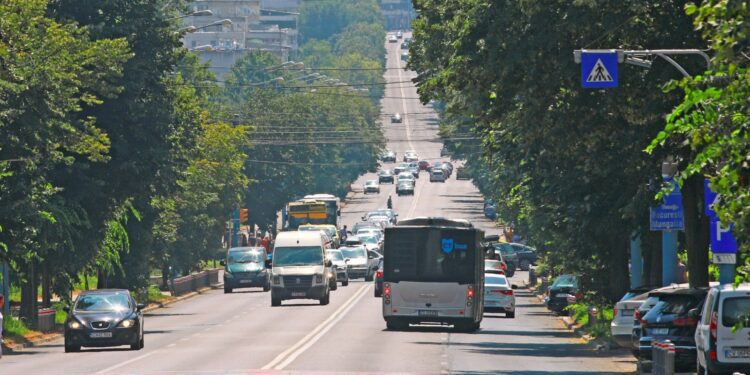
pixel 722 238
pixel 669 214
pixel 598 69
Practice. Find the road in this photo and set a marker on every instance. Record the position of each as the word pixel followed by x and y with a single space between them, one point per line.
pixel 216 333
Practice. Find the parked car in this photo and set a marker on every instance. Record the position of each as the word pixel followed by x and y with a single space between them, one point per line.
pixel 372 186
pixel 245 267
pixel 405 55
pixel 104 317
pixel 670 320
pixel 340 266
pixel 621 327
pixel 399 34
pixel 490 211
pixel 524 256
pixel 385 175
pixel 564 290
pixel 405 45
pixel 498 295
pixel 721 348
pixel 379 279
pixel 396 118
pixel 405 187
pixel 392 39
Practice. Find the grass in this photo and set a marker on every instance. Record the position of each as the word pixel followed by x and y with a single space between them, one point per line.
pixel 14 328
pixel 154 294
pixel 580 314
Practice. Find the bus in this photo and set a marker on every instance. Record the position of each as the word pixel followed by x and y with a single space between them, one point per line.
pixel 307 212
pixel 333 206
pixel 433 272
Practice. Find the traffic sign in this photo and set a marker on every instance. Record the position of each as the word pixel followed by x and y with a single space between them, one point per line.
pixel 723 243
pixel 599 69
pixel 669 214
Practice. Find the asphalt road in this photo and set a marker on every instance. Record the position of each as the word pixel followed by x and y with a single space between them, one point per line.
pixel 216 333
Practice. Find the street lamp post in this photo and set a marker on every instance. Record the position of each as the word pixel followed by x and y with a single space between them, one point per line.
pixel 192 29
pixel 197 13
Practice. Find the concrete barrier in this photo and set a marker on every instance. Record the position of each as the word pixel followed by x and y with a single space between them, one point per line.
pixel 662 357
pixel 190 283
pixel 46 320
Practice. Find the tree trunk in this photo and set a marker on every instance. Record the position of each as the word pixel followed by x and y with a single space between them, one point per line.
pixel 652 257
pixel 46 287
pixel 618 279
pixel 29 304
pixel 696 231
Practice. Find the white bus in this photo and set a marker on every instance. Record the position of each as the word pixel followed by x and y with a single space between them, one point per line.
pixel 433 272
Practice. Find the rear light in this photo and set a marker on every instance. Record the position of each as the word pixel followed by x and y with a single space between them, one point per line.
pixel 713 325
pixel 503 266
pixel 507 292
pixel 387 293
pixel 637 315
pixel 615 313
pixel 469 295
pixel 379 274
pixel 579 296
pixel 684 322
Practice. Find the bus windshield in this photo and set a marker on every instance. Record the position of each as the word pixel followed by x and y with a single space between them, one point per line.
pixel 431 255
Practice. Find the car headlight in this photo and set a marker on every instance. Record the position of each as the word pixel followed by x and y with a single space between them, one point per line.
pixel 127 323
pixel 319 278
pixel 228 275
pixel 74 324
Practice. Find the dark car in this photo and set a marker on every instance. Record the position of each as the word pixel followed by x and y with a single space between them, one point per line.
pixel 104 317
pixel 564 291
pixel 669 320
pixel 379 279
pixel 423 165
pixel 245 267
pixel 388 156
pixel 526 255
pixel 386 175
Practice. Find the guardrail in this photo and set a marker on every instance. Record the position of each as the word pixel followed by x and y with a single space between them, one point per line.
pixel 662 356
pixel 186 284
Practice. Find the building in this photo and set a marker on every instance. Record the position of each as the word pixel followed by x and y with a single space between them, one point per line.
pixel 283 13
pixel 398 14
pixel 223 45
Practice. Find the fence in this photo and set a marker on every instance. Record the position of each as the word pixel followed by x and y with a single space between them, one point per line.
pixel 662 353
pixel 191 283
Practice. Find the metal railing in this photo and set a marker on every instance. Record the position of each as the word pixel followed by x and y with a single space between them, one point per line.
pixel 662 355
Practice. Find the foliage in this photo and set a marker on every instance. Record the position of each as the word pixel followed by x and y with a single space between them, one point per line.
pixel 14 328
pixel 566 164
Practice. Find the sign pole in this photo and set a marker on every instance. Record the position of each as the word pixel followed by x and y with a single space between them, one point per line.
pixel 726 274
pixel 636 260
pixel 669 257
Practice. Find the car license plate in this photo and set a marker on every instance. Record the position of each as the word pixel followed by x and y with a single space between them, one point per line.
pixel 738 353
pixel 561 295
pixel 245 281
pixel 627 312
pixel 658 331
pixel 427 313
pixel 298 294
pixel 100 335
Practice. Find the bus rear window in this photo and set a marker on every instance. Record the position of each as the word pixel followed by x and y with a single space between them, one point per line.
pixel 430 254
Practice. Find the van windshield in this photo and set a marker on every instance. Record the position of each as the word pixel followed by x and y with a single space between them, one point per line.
pixel 297 256
pixel 734 310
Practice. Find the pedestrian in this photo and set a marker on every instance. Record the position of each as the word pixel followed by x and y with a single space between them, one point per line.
pixel 390 203
pixel 342 233
pixel 265 242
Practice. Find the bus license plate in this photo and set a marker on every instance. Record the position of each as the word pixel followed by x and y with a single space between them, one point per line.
pixel 100 335
pixel 427 313
pixel 738 353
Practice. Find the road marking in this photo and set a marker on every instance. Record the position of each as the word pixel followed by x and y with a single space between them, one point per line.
pixel 282 360
pixel 123 364
pixel 172 345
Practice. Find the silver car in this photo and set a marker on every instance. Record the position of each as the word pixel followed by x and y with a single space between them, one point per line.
pixel 339 265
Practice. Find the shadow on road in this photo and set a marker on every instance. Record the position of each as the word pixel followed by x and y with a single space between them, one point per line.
pixel 535 349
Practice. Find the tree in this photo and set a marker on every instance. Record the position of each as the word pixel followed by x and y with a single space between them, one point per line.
pixel 326 18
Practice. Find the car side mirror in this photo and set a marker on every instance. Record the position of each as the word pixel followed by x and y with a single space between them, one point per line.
pixel 268 263
pixel 694 313
pixel 223 263
pixel 140 306
pixel 514 286
pixel 66 309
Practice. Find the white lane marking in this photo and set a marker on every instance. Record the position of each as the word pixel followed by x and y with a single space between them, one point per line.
pixel 172 345
pixel 123 364
pixel 403 104
pixel 281 357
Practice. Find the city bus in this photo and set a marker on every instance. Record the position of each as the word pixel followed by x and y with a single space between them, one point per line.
pixel 306 212
pixel 333 206
pixel 433 272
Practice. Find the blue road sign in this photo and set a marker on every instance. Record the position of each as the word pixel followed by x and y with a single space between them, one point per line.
pixel 722 238
pixel 669 214
pixel 598 69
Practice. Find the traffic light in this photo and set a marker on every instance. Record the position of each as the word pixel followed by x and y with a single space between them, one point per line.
pixel 243 216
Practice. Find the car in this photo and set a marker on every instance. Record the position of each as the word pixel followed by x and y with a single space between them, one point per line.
pixel 437 175
pixel 245 267
pixel 400 168
pixel 621 327
pixel 509 255
pixel 526 255
pixel 379 279
pixel 399 34
pixel 300 268
pixel 405 187
pixel 423 165
pixel 370 232
pixel 495 266
pixel 405 56
pixel 372 242
pixel 722 343
pixel 405 45
pixel 358 262
pixel 396 118
pixel 565 290
pixel 403 176
pixel 407 40
pixel 411 157
pixel 390 214
pixel 104 317
pixel 372 186
pixel 388 157
pixel 435 165
pixel 364 224
pixel 328 229
pixel 392 39
pixel 670 320
pixel 498 295
pixel 448 166
pixel 444 151
pixel 340 265
pixel 385 175
pixel 462 174
pixel 414 171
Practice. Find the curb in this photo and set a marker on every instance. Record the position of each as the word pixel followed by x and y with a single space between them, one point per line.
pixel 149 308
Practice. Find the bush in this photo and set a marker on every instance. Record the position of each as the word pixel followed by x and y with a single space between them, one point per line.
pixel 14 328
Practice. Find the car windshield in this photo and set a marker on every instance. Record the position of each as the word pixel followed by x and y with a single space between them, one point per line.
pixel 246 256
pixel 329 231
pixel 368 239
pixel 566 281
pixel 115 302
pixel 335 255
pixel 371 182
pixel 734 310
pixel 354 252
pixel 495 280
pixel 297 256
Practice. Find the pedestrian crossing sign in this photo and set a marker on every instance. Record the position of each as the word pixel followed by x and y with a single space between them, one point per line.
pixel 598 69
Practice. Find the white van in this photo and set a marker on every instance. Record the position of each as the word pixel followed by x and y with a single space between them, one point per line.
pixel 719 348
pixel 299 268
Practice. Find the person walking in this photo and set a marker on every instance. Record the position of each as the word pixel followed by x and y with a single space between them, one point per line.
pixel 342 234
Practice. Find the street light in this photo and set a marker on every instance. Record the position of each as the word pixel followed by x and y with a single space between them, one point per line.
pixel 197 13
pixel 205 47
pixel 191 29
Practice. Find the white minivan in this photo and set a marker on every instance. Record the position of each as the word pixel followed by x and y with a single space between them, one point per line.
pixel 720 348
pixel 298 268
